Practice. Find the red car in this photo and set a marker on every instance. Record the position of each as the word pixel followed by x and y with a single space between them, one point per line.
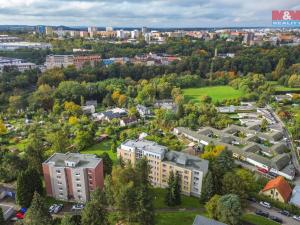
pixel 20 215
pixel 262 170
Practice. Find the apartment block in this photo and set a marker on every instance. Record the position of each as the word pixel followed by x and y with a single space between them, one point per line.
pixel 58 61
pixel 72 176
pixel 80 61
pixel 162 161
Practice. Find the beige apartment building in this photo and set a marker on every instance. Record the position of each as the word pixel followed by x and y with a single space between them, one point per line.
pixel 162 161
pixel 59 61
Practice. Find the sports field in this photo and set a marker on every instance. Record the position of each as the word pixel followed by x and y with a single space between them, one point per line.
pixel 217 93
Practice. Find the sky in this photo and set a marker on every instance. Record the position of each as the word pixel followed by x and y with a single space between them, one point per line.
pixel 137 13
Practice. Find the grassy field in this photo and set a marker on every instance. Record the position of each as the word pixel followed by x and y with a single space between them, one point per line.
pixel 186 201
pixel 258 220
pixel 176 218
pixel 104 146
pixel 279 87
pixel 217 93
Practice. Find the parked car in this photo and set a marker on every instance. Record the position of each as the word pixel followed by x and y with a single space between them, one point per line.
pixel 251 199
pixel 21 213
pixel 78 207
pixel 296 218
pixel 276 219
pixel 51 208
pixel 58 208
pixel 265 204
pixel 262 213
pixel 285 213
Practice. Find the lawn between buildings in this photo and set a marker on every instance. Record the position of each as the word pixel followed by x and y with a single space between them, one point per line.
pixel 217 93
pixel 258 220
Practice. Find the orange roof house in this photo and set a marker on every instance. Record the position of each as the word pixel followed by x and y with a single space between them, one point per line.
pixel 278 189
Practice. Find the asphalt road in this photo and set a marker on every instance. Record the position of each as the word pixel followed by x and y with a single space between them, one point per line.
pixel 273 212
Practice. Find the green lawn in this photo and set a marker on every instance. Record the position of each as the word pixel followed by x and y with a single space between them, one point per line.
pixel 104 146
pixel 258 220
pixel 217 93
pixel 186 201
pixel 176 218
pixel 279 87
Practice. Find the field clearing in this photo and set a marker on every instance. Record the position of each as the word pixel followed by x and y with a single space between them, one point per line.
pixel 282 88
pixel 217 93
pixel 104 146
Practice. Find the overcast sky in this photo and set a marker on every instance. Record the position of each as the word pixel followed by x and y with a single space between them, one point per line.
pixel 136 13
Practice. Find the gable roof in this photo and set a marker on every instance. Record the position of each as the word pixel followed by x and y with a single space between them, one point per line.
pixel 201 220
pixel 281 185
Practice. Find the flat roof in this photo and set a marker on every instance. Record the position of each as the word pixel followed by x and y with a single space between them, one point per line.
pixel 81 160
pixel 146 145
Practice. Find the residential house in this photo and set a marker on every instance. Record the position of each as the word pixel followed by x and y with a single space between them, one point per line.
pixel 128 121
pixel 143 110
pixel 278 189
pixel 110 114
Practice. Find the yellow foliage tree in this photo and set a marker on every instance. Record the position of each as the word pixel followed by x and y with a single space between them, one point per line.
pixel 115 96
pixel 3 128
pixel 211 153
pixel 73 120
pixel 122 100
pixel 71 107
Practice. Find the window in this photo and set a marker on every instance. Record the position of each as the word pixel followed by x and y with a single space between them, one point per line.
pixel 78 185
pixel 58 177
pixel 58 171
pixel 77 174
pixel 78 191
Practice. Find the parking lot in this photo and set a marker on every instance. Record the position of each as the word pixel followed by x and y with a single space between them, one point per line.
pixel 273 212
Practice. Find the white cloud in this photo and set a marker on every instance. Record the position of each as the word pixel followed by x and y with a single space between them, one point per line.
pixel 156 13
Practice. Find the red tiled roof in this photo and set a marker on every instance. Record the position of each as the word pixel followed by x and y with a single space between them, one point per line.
pixel 281 185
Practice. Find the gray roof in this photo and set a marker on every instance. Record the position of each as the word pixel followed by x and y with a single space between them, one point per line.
pixel 186 160
pixel 201 220
pixel 280 161
pixel 279 148
pixel 146 145
pixel 295 199
pixel 81 160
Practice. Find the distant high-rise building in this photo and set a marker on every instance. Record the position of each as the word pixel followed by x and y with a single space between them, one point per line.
pixel 120 34
pixel 40 29
pixel 248 38
pixel 109 29
pixel 92 31
pixel 147 37
pixel 145 30
pixel 135 34
pixel 49 31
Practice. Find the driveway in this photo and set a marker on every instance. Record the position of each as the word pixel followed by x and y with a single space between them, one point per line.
pixel 274 212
